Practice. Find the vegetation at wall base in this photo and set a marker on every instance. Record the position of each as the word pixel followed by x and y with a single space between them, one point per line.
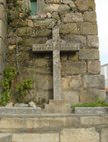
pixel 22 88
pixel 98 103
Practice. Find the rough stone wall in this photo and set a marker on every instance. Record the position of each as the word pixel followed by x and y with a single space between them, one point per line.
pixel 3 28
pixel 81 80
pixel 58 128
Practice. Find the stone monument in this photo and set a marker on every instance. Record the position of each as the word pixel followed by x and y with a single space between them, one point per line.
pixel 57 46
pixel 58 49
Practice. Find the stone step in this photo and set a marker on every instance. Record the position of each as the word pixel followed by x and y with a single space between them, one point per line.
pixel 91 110
pixel 36 137
pixel 18 110
pixel 5 137
pixel 20 123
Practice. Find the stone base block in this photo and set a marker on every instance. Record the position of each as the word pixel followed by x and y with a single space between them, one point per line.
pixel 58 106
pixel 79 135
pixel 104 135
pixel 5 138
pixel 40 137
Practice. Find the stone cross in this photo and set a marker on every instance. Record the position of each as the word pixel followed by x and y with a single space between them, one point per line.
pixel 56 45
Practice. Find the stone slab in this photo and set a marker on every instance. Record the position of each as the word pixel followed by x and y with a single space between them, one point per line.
pixel 38 122
pixel 91 110
pixel 18 110
pixel 79 135
pixel 48 137
pixel 104 135
pixel 5 138
pixel 94 120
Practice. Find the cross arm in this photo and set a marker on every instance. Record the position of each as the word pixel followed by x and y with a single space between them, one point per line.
pixel 42 47
pixel 69 46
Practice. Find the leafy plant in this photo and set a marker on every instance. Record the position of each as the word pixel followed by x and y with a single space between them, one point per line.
pixel 9 75
pixel 22 89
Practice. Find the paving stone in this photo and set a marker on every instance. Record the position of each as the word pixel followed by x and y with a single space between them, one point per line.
pixel 24 137
pixel 5 138
pixel 79 135
pixel 104 135
pixel 94 120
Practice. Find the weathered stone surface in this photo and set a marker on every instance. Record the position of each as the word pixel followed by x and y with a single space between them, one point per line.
pixel 56 8
pixel 42 121
pixel 47 23
pixel 39 137
pixel 71 96
pixel 2 29
pixel 85 5
pixel 91 110
pixel 93 41
pixel 75 82
pixel 69 28
pixel 79 135
pixel 94 67
pixel 71 82
pixel 53 1
pixel 94 120
pixel 22 105
pixel 56 75
pixel 92 95
pixel 58 106
pixel 69 2
pixel 5 138
pixel 3 2
pixel 95 81
pixel 76 39
pixel 88 28
pixel 73 68
pixel 90 16
pixel 2 13
pixel 18 110
pixel 73 17
pixel 89 54
pixel 44 82
pixel 104 135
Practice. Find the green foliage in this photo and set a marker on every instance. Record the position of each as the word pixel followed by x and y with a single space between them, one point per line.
pixel 22 89
pixel 7 94
pixel 9 75
pixel 98 103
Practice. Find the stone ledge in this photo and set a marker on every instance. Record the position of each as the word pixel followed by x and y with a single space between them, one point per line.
pixel 91 110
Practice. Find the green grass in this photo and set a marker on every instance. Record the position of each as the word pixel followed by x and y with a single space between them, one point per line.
pixel 92 104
